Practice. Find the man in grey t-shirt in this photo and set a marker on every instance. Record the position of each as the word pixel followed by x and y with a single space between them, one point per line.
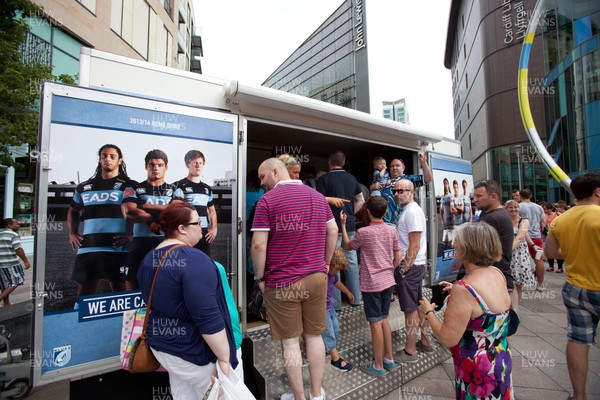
pixel 537 221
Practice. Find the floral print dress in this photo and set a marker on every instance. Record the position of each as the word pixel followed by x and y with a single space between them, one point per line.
pixel 520 264
pixel 482 359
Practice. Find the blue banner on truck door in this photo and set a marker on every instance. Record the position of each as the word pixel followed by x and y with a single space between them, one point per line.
pixel 453 182
pixel 100 154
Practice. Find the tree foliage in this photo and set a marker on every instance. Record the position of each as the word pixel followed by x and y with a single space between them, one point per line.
pixel 19 80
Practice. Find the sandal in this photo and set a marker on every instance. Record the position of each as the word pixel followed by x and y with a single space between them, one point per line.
pixel 559 271
pixel 549 269
pixel 341 365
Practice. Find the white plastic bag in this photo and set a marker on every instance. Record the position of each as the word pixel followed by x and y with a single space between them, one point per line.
pixel 232 387
pixel 215 391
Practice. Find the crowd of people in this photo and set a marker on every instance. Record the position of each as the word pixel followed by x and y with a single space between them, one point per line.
pixel 500 246
pixel 301 235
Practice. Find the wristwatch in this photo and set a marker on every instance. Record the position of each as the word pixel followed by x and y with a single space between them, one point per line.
pixel 259 280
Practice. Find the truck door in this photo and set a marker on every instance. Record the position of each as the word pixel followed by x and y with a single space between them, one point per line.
pixel 80 335
pixel 452 187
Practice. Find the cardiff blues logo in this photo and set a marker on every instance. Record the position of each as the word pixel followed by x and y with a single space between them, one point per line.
pixel 61 355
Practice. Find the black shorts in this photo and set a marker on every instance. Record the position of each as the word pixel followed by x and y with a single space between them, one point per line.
pixel 139 248
pixel 203 245
pixel 90 267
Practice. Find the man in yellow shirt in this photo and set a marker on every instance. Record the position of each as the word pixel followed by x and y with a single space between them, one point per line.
pixel 575 236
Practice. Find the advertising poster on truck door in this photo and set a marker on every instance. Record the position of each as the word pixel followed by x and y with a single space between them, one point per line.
pixel 96 152
pixel 453 182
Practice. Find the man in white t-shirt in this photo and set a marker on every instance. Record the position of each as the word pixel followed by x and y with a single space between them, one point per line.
pixel 412 233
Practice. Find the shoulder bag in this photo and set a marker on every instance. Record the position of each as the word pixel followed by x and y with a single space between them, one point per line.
pixel 142 359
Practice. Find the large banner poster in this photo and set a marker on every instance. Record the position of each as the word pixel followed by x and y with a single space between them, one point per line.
pixel 453 182
pixel 146 147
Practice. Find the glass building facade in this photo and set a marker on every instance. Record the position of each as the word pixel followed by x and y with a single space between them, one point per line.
pixel 325 66
pixel 572 64
pixel 48 44
pixel 483 47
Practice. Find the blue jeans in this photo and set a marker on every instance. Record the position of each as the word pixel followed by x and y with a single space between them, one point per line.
pixel 332 331
pixel 352 280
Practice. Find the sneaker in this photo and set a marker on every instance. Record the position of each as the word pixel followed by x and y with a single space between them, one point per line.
pixel 341 365
pixel 370 369
pixel 321 397
pixel 424 348
pixel 403 357
pixel 287 396
pixel 389 366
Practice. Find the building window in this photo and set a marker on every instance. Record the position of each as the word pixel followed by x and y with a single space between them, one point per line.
pixel 462 17
pixel 168 8
pixel 468 111
pixel 466 80
pixel 49 45
pixel 130 20
pixel 89 4
pixel 583 30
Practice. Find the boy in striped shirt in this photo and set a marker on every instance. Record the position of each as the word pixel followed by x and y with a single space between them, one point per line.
pixel 380 254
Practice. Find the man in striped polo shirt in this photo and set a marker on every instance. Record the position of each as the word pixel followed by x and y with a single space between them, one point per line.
pixel 294 238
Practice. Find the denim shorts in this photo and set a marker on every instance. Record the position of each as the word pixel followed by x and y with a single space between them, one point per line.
pixel 332 330
pixel 377 304
pixel 583 313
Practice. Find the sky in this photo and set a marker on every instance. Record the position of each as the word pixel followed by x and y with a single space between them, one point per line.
pixel 247 40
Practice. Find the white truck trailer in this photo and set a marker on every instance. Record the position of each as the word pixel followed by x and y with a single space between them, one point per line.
pixel 140 106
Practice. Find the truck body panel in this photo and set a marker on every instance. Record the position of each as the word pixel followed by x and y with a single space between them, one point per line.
pixel 140 106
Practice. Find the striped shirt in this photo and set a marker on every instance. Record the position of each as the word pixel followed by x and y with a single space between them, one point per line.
pixel 99 201
pixel 142 193
pixel 377 243
pixel 197 194
pixel 10 241
pixel 296 218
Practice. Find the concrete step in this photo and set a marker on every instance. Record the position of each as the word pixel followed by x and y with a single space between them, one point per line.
pixel 354 346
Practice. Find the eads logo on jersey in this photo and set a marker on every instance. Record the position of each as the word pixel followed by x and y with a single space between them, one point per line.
pixel 61 355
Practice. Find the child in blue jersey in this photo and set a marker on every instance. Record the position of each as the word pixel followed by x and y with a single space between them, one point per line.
pixel 339 262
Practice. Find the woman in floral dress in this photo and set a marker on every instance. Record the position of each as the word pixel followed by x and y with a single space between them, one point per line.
pixel 520 265
pixel 476 318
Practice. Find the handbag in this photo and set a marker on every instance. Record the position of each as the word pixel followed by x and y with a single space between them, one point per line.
pixel 257 304
pixel 141 358
pixel 513 322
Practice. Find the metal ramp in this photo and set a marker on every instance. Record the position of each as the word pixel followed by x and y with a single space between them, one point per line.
pixel 355 346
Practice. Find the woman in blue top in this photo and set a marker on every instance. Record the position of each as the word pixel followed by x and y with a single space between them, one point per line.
pixel 189 327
